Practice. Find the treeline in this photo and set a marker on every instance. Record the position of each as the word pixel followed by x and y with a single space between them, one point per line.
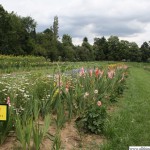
pixel 18 36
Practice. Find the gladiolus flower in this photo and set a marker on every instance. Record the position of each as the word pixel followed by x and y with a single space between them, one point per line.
pixel 90 72
pixel 8 101
pixel 99 103
pixel 111 74
pixel 66 89
pixel 82 72
pixel 98 72
pixel 125 67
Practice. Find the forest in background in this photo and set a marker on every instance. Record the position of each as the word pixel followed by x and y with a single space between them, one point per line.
pixel 18 36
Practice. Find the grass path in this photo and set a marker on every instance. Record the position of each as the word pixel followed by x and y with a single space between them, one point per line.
pixel 130 124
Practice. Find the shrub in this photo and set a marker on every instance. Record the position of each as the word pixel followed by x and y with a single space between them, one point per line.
pixel 93 120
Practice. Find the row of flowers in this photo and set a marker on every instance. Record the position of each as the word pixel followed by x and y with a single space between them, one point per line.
pixel 83 95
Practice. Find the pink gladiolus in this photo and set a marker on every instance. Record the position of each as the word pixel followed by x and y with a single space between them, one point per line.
pixel 67 90
pixel 8 101
pixel 125 67
pixel 82 72
pixel 111 73
pixel 122 67
pixel 99 103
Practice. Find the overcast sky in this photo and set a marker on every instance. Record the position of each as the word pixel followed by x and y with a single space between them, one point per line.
pixel 127 19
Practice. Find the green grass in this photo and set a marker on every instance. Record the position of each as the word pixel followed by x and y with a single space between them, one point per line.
pixel 130 124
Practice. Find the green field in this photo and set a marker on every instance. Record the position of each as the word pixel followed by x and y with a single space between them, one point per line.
pixel 104 106
pixel 129 125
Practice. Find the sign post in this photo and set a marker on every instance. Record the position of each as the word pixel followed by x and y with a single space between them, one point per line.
pixel 3 112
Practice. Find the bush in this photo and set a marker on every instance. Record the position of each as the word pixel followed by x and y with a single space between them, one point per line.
pixel 93 120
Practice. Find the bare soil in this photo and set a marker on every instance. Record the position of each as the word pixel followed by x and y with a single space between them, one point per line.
pixel 71 139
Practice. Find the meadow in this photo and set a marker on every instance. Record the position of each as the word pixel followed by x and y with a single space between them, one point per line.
pixel 64 105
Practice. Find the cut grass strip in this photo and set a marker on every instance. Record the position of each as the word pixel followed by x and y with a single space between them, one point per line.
pixel 129 125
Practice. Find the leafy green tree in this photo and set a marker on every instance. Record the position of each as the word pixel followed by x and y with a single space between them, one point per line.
pixel 53 53
pixel 113 48
pixel 80 54
pixel 134 52
pixel 44 41
pixel 87 49
pixel 67 51
pixel 85 40
pixel 18 37
pixel 28 35
pixel 5 29
pixel 67 40
pixel 48 40
pixel 124 52
pixel 55 29
pixel 29 24
pixel 145 50
pixel 101 48
pixel 15 33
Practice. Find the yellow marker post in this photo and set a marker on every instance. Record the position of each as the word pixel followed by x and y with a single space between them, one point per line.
pixel 3 112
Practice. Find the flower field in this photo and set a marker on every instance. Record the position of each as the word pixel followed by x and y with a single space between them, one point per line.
pixel 40 101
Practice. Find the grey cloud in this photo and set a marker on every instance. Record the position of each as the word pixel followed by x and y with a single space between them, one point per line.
pixel 79 18
pixel 102 26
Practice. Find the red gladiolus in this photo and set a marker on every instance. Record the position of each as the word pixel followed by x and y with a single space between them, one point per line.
pixel 97 72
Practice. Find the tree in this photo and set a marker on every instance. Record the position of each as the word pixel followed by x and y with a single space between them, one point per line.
pixel 113 48
pixel 29 24
pixel 48 39
pixel 85 39
pixel 53 49
pixel 5 29
pixel 28 35
pixel 80 54
pixel 45 43
pixel 101 48
pixel 145 51
pixel 67 52
pixel 124 52
pixel 55 28
pixel 134 52
pixel 15 33
pixel 67 40
pixel 87 49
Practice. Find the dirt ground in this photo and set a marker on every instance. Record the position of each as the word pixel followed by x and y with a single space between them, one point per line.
pixel 71 139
